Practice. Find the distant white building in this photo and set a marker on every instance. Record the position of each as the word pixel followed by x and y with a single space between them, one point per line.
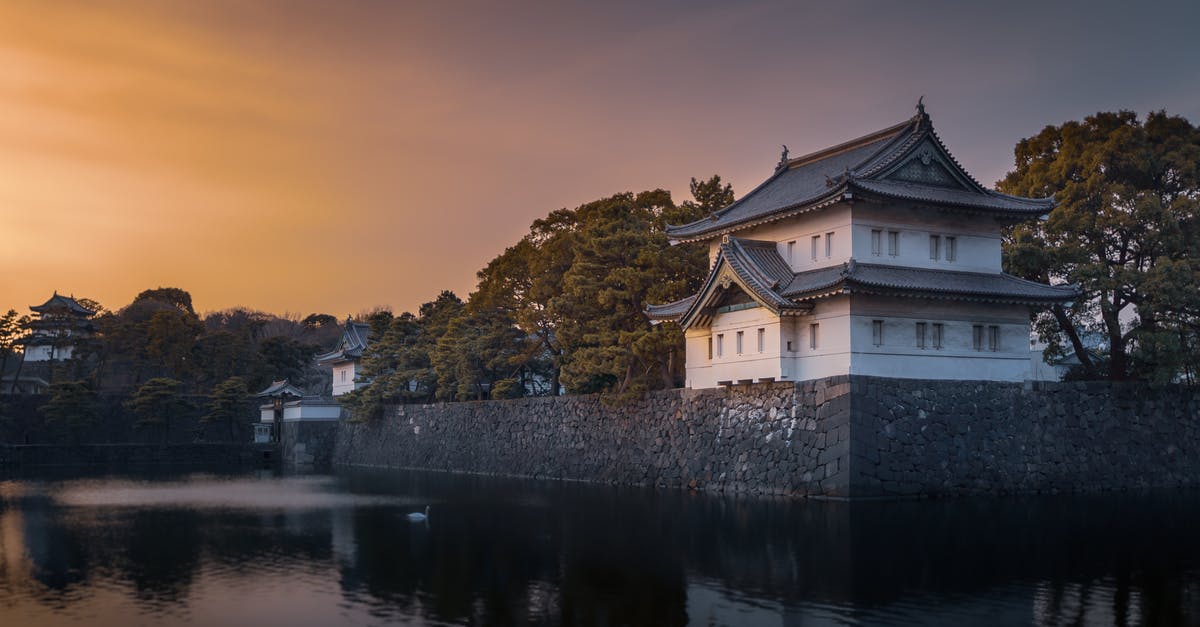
pixel 879 256
pixel 59 324
pixel 345 359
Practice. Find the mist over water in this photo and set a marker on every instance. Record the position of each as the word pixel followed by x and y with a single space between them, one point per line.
pixel 262 549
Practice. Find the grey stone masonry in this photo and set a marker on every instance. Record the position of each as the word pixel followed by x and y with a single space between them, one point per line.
pixel 846 437
pixel 955 438
pixel 779 438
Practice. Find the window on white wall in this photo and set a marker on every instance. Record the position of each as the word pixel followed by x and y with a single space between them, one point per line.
pixel 920 335
pixel 876 242
pixel 812 335
pixel 710 347
pixel 894 243
pixel 937 335
pixel 993 338
pixel 977 337
pixel 762 339
pixel 720 344
pixel 739 342
pixel 789 346
pixel 951 248
pixel 791 252
pixel 816 245
pixel 829 244
pixel 935 247
pixel 877 332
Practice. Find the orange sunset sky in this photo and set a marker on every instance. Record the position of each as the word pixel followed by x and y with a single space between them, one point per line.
pixel 335 156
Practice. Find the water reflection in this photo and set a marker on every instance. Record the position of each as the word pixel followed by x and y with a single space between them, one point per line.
pixel 266 550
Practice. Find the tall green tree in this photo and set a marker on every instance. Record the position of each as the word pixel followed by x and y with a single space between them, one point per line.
pixel 1125 230
pixel 230 403
pixel 157 403
pixel 13 330
pixel 71 406
pixel 622 260
pixel 399 363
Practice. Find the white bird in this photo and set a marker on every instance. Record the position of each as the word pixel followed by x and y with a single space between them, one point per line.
pixel 418 516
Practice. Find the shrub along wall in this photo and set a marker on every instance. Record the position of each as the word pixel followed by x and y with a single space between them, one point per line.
pixel 838 437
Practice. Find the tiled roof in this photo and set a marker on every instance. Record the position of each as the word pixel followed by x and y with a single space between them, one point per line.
pixel 763 274
pixel 906 161
pixel 355 337
pixel 58 301
pixel 670 311
pixel 281 388
pixel 925 282
pixel 754 265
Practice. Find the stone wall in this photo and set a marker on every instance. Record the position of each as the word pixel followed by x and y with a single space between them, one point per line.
pixel 839 437
pixel 307 445
pixel 777 438
pixel 942 437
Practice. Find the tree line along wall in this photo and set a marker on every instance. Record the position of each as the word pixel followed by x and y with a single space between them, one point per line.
pixel 846 436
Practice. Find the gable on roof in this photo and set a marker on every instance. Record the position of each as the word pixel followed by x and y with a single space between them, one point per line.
pixel 355 338
pixel 60 302
pixel 906 161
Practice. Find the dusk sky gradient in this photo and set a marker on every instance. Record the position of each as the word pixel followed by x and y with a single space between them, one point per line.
pixel 335 156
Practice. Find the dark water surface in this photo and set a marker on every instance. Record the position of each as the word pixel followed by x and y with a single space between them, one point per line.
pixel 338 550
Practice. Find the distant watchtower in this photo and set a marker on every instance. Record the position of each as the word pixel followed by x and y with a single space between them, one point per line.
pixel 59 323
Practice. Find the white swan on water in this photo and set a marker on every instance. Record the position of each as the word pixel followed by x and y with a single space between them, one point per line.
pixel 418 516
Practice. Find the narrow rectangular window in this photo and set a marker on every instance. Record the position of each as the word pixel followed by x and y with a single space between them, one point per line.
pixel 791 252
pixel 977 337
pixel 993 338
pixel 876 242
pixel 720 344
pixel 762 339
pixel 877 332
pixel 829 244
pixel 816 245
pixel 789 346
pixel 920 335
pixel 937 335
pixel 343 376
pixel 894 243
pixel 935 247
pixel 710 347
pixel 739 342
pixel 951 248
pixel 812 335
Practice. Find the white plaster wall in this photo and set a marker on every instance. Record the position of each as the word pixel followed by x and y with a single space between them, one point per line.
pixel 978 241
pixel 751 364
pixel 898 355
pixel 343 378
pixel 42 352
pixel 801 229
pixel 308 410
pixel 832 355
pixel 698 366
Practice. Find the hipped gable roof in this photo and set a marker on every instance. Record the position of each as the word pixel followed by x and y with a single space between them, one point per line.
pixel 355 337
pixel 758 269
pixel 58 301
pixel 280 388
pixel 754 266
pixel 907 161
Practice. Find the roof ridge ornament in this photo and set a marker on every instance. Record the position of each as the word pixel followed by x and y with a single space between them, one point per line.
pixel 783 159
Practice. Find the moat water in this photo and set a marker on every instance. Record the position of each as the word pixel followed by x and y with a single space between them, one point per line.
pixel 261 550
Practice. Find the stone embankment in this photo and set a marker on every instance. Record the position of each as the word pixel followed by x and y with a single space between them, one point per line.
pixel 838 437
pixel 778 438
